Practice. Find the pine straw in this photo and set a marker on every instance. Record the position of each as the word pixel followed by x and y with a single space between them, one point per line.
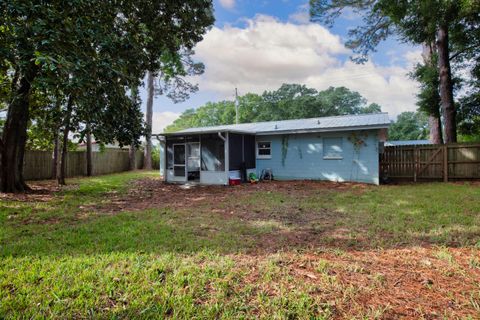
pixel 395 283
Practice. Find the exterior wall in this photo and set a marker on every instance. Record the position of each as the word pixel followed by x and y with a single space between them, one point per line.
pixel 304 158
pixel 213 177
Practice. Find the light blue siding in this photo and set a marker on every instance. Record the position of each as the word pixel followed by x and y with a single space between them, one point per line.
pixel 304 157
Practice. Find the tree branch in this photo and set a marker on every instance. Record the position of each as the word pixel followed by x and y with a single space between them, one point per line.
pixel 463 51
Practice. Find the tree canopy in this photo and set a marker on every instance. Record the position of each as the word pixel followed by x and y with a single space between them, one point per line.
pixel 82 58
pixel 449 28
pixel 290 101
pixel 409 126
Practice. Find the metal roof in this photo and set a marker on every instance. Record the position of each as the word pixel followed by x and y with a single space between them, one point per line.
pixel 337 123
pixel 406 142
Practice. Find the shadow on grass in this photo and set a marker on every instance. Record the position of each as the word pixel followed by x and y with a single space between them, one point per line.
pixel 255 219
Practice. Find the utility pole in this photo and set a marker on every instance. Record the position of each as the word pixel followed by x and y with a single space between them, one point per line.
pixel 236 106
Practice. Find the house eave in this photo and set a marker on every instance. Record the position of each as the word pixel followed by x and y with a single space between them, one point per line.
pixel 195 133
pixel 275 132
pixel 318 130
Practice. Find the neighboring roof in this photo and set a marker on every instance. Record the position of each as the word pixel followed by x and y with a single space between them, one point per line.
pixel 108 145
pixel 337 123
pixel 406 142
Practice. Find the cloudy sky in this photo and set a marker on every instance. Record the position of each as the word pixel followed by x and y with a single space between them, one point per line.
pixel 258 45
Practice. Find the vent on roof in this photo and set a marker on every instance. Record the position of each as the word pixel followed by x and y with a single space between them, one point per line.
pixel 318 121
pixel 276 127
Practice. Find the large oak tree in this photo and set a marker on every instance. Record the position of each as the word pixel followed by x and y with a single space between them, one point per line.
pixel 90 53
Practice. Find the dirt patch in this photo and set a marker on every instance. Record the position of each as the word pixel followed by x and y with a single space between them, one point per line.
pixel 292 224
pixel 281 208
pixel 153 193
pixel 41 191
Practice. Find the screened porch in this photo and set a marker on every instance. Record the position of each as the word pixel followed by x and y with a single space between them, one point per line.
pixel 209 158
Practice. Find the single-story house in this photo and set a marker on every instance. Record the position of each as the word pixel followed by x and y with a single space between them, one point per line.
pixel 340 148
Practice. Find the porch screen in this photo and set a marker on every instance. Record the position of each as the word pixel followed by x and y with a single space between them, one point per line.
pixel 235 149
pixel 242 151
pixel 213 153
pixel 170 143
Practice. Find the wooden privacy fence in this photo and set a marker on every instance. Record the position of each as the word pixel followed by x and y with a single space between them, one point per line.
pixel 457 161
pixel 38 164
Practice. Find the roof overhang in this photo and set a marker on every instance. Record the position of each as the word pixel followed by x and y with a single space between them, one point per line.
pixel 196 133
pixel 275 132
pixel 317 130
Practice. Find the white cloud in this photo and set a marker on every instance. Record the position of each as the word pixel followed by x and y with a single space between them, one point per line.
pixel 413 57
pixel 227 4
pixel 267 52
pixel 162 119
pixel 301 16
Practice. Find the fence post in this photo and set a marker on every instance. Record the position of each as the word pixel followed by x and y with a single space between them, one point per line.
pixel 415 163
pixel 445 163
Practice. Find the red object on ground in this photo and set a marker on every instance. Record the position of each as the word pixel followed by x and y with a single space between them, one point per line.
pixel 234 181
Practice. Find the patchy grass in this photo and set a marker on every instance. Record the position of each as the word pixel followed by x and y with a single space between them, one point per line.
pixel 129 246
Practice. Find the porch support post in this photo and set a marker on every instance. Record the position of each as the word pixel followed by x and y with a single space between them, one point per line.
pixel 227 157
pixel 163 161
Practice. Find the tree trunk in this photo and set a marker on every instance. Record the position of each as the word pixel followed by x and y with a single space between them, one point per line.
pixel 66 131
pixel 132 157
pixel 435 125
pixel 446 85
pixel 89 152
pixel 147 162
pixel 56 146
pixel 14 137
pixel 434 121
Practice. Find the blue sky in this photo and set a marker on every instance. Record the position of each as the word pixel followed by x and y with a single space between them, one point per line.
pixel 258 45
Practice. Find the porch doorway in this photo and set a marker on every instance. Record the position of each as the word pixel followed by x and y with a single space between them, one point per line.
pixel 193 161
pixel 179 160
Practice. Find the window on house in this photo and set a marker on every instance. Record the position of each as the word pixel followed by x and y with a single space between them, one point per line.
pixel 264 150
pixel 332 148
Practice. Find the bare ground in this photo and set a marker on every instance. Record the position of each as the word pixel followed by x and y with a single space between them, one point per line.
pixel 408 282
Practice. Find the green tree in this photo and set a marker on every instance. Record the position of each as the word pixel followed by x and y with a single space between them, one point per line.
pixel 428 99
pixel 372 108
pixel 174 85
pixel 441 22
pixel 409 126
pixel 92 52
pixel 290 101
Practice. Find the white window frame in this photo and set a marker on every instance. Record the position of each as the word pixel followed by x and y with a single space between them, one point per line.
pixel 263 156
pixel 326 157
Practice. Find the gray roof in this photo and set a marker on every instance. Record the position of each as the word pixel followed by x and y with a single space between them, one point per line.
pixel 406 142
pixel 324 124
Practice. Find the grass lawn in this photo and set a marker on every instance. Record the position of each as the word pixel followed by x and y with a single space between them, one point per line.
pixel 129 246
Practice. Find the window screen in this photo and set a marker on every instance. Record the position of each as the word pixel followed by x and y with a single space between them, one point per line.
pixel 264 149
pixel 249 147
pixel 235 151
pixel 178 154
pixel 213 153
pixel 332 148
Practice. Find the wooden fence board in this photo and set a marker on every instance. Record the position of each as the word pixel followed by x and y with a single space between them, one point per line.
pixel 38 164
pixel 431 162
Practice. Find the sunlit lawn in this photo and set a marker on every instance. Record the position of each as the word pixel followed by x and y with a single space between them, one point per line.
pixel 268 252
